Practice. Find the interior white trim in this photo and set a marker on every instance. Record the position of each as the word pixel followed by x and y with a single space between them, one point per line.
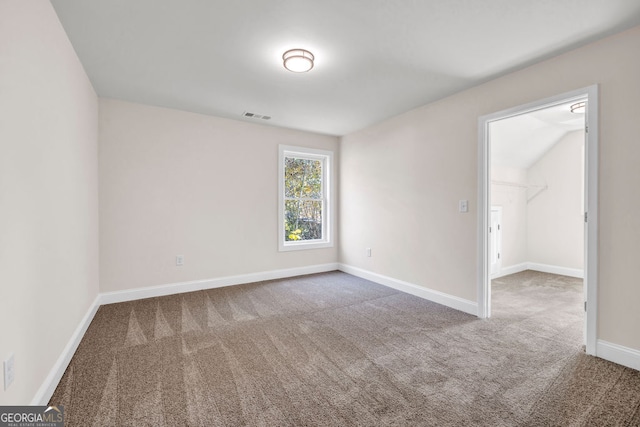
pixel 544 268
pixel 612 352
pixel 498 238
pixel 619 354
pixel 326 157
pixel 484 220
pixel 591 226
pixel 555 269
pixel 512 269
pixel 591 203
pixel 50 383
pixel 198 285
pixel 451 301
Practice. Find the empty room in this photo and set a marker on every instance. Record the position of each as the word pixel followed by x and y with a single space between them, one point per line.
pixel 320 213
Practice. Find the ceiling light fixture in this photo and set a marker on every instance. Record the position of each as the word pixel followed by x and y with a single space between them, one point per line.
pixel 298 60
pixel 578 107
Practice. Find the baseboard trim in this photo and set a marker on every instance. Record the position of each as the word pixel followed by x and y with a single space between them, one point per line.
pixel 619 354
pixel 544 268
pixel 612 352
pixel 50 383
pixel 44 393
pixel 442 298
pixel 554 269
pixel 512 269
pixel 198 285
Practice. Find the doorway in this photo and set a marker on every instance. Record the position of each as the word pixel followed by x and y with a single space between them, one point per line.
pixel 486 261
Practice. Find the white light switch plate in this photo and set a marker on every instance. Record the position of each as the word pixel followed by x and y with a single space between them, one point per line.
pixel 463 206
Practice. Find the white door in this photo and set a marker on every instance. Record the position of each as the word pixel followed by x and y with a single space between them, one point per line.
pixel 495 237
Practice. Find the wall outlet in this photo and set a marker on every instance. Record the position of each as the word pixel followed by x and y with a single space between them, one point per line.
pixel 368 252
pixel 179 260
pixel 9 371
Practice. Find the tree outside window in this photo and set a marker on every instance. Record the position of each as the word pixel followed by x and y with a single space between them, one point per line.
pixel 304 202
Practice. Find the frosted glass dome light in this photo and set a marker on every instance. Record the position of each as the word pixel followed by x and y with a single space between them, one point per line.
pixel 298 60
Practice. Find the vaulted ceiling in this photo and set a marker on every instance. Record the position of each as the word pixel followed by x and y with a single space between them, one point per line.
pixel 374 58
pixel 520 141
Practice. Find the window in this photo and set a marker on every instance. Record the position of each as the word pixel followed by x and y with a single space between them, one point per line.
pixel 304 210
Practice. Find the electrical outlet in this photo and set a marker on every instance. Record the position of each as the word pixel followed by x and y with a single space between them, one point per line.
pixel 368 252
pixel 179 260
pixel 9 371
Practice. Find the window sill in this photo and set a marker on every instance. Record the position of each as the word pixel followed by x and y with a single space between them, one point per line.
pixel 300 246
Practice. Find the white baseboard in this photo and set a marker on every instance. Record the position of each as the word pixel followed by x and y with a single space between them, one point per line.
pixel 197 285
pixel 50 383
pixel 512 269
pixel 621 355
pixel 615 353
pixel 554 269
pixel 544 268
pixel 451 301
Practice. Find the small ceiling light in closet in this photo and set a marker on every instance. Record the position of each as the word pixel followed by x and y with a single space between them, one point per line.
pixel 579 107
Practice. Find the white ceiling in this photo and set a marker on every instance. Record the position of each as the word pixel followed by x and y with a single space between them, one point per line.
pixel 374 58
pixel 519 141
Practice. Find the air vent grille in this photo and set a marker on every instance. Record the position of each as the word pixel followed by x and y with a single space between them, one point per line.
pixel 256 116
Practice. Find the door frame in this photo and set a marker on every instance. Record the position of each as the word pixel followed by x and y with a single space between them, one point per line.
pixel 590 206
pixel 498 234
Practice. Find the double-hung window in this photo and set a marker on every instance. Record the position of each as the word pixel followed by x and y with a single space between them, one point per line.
pixel 304 199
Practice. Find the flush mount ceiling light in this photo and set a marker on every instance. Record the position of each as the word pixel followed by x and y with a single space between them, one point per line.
pixel 579 107
pixel 298 60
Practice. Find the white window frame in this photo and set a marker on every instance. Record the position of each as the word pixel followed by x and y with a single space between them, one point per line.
pixel 326 157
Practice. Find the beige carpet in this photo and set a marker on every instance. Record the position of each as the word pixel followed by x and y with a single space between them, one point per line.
pixel 335 350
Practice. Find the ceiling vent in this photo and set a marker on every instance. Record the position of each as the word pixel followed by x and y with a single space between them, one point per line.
pixel 256 116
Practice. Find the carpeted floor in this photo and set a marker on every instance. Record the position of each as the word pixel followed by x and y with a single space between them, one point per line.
pixel 335 350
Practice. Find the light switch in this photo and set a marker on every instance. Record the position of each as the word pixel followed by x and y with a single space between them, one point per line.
pixel 463 206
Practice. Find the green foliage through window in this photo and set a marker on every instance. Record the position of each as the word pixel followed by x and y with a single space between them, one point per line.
pixel 303 199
